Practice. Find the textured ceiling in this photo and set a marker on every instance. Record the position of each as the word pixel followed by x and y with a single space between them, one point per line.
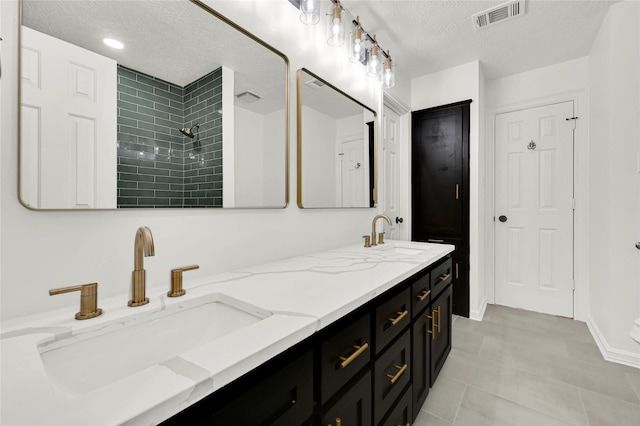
pixel 175 41
pixel 429 36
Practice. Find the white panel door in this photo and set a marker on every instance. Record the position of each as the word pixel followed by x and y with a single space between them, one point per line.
pixel 68 125
pixel 353 188
pixel 534 209
pixel 390 162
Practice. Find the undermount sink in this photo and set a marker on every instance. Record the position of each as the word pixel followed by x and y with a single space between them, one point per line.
pixel 88 360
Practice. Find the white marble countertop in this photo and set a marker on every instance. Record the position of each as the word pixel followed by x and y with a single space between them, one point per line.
pixel 294 298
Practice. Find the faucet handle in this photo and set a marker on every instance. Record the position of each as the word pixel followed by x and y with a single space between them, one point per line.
pixel 381 237
pixel 176 280
pixel 367 240
pixel 88 299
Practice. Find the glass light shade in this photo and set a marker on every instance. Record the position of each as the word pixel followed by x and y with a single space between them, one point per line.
pixel 356 47
pixel 389 74
pixel 335 25
pixel 310 11
pixel 373 66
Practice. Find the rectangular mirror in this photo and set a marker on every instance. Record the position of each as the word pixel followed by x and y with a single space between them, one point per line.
pixel 336 147
pixel 190 110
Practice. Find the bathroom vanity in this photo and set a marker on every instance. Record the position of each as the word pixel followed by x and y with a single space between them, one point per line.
pixel 347 336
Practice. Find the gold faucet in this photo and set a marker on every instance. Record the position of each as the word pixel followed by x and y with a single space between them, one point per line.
pixel 143 246
pixel 88 299
pixel 373 227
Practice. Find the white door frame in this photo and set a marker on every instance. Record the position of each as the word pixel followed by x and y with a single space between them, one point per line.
pixel 581 186
pixel 404 164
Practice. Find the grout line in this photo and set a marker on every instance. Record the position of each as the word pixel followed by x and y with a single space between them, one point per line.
pixel 584 408
pixel 460 404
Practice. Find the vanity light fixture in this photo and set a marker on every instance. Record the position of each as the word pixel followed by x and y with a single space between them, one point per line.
pixel 335 25
pixel 310 11
pixel 113 43
pixel 356 49
pixel 373 66
pixel 388 74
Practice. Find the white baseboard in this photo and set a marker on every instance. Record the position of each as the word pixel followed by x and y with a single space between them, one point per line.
pixel 611 354
pixel 478 314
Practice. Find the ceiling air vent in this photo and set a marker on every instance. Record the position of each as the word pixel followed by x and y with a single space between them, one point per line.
pixel 504 12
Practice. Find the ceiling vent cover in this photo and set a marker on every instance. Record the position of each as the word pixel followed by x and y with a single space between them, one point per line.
pixel 504 12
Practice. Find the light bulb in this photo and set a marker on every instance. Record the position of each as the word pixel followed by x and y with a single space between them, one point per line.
pixel 335 25
pixel 310 12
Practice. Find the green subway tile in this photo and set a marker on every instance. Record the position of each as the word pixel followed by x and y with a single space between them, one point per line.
pixel 198 179
pixel 155 201
pixel 155 98
pixel 172 124
pixel 168 95
pixel 136 131
pixel 127 122
pixel 153 112
pixel 168 194
pixel 171 109
pixel 126 184
pixel 137 100
pixel 156 186
pixel 176 104
pixel 127 169
pixel 136 85
pixel 137 116
pixel 127 90
pixel 203 186
pixel 168 179
pixel 154 127
pixel 153 171
pixel 127 201
pixel 153 82
pixel 127 105
pixel 125 72
pixel 136 193
pixel 168 166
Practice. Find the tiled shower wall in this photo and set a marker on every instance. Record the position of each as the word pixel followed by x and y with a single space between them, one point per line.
pixel 157 165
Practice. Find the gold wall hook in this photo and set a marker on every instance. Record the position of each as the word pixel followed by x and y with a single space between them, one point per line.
pixel 176 280
pixel 88 299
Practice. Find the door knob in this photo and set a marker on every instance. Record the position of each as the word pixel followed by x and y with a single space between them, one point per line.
pixel 399 219
pixel 502 218
pixel 638 245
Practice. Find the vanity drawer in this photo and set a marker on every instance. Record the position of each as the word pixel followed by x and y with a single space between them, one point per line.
pixel 420 293
pixel 353 408
pixel 392 317
pixel 401 414
pixel 343 354
pixel 441 275
pixel 392 373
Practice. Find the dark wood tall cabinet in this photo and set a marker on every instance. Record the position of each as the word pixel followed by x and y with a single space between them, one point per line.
pixel 440 187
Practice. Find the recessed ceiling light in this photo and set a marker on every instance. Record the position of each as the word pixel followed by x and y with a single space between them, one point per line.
pixel 113 43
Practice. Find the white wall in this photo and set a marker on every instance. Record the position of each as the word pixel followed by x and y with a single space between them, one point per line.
pixel 43 250
pixel 560 82
pixel 453 85
pixel 614 192
pixel 249 158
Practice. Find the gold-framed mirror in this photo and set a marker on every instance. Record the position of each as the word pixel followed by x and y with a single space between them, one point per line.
pixel 192 112
pixel 336 146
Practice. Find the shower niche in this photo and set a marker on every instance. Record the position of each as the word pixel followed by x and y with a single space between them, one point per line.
pixel 190 112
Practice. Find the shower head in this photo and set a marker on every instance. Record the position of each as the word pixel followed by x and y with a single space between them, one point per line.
pixel 188 131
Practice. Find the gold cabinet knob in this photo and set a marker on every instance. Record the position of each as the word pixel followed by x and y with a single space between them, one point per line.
pixel 176 280
pixel 88 299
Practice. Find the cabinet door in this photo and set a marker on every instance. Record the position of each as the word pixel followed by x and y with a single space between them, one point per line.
pixel 401 414
pixel 421 335
pixel 441 343
pixel 284 397
pixel 353 408
pixel 440 171
pixel 392 372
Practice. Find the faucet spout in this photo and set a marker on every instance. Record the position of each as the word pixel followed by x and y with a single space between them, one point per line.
pixel 373 227
pixel 143 246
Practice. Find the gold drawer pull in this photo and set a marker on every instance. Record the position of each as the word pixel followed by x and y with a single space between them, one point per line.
pixel 356 354
pixel 338 422
pixel 429 240
pixel 444 277
pixel 438 325
pixel 423 295
pixel 432 332
pixel 401 370
pixel 401 315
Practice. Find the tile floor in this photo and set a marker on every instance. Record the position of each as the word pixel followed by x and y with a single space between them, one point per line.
pixel 525 368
